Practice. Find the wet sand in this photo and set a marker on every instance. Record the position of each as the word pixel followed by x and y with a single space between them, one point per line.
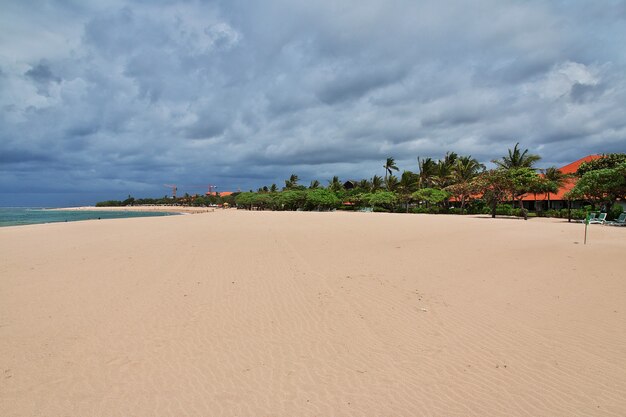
pixel 312 314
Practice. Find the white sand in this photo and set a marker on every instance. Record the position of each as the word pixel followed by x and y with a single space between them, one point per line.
pixel 312 314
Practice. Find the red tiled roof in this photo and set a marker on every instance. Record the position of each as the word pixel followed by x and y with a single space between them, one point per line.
pixel 569 183
pixel 221 193
pixel 570 168
pixel 573 167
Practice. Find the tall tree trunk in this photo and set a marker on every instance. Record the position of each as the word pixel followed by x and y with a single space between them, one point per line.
pixel 549 201
pixel 494 206
pixel 569 211
pixel 524 212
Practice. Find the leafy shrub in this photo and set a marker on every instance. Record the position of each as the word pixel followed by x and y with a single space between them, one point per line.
pixel 552 213
pixel 517 212
pixel 504 210
pixel 321 199
pixel 384 199
pixel 614 212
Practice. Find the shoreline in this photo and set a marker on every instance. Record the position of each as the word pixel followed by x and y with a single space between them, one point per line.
pixel 147 209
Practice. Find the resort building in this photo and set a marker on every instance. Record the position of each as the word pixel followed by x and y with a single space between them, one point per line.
pixel 557 200
pixel 220 194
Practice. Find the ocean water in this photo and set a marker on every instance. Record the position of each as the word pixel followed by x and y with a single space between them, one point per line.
pixel 12 216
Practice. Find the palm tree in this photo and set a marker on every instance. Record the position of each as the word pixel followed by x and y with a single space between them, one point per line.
pixel 391 182
pixel 463 172
pixel 427 168
pixel 466 168
pixel 315 184
pixel 450 158
pixel 409 182
pixel 292 182
pixel 273 188
pixel 443 175
pixel 555 176
pixel 335 185
pixel 390 165
pixel 364 185
pixel 517 159
pixel 443 170
pixel 376 183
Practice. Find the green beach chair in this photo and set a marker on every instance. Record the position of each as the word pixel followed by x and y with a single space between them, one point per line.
pixel 620 221
pixel 591 216
pixel 598 220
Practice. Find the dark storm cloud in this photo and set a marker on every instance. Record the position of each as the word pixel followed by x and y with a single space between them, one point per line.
pixel 8 156
pixel 42 74
pixel 125 96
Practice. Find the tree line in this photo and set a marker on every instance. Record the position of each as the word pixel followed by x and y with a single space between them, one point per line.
pixel 453 184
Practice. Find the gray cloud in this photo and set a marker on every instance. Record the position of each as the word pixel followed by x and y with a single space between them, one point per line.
pixel 125 96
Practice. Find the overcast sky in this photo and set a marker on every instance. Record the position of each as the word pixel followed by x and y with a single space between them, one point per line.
pixel 108 98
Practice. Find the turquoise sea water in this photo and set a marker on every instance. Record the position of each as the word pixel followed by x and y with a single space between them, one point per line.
pixel 11 216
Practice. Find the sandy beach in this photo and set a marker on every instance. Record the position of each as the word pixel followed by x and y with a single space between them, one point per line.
pixel 235 313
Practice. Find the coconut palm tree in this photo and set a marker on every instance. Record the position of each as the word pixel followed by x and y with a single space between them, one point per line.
pixel 315 184
pixel 463 172
pixel 364 185
pixel 517 159
pixel 390 165
pixel 427 168
pixel 466 168
pixel 450 158
pixel 292 182
pixel 555 176
pixel 391 183
pixel 409 182
pixel 335 185
pixel 376 183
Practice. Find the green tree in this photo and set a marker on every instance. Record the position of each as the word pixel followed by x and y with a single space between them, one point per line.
pixel 517 159
pixel 430 196
pixel 292 199
pixel 391 183
pixel 427 171
pixel 292 182
pixel 364 185
pixel 321 199
pixel 262 201
pixel 556 180
pixel 523 181
pixel 245 200
pixel 611 161
pixel 384 199
pixel 390 166
pixel 409 182
pixel 335 185
pixel 463 172
pixel 376 183
pixel 314 185
pixel 495 186
pixel 601 185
